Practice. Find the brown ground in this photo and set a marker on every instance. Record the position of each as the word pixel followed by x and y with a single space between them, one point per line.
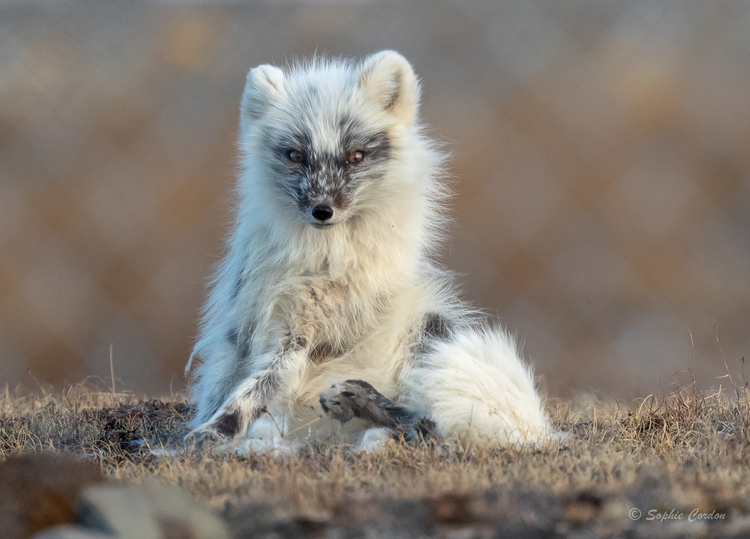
pixel 684 452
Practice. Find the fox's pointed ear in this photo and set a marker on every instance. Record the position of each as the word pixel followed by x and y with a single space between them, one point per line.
pixel 264 85
pixel 388 79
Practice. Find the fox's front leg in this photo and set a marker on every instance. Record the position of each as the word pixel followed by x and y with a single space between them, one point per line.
pixel 275 375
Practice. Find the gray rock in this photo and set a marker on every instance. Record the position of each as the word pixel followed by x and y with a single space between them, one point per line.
pixel 150 510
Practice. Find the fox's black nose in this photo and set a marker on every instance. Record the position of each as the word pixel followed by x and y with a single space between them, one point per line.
pixel 322 212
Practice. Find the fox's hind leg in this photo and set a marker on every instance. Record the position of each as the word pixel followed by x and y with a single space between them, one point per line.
pixel 385 418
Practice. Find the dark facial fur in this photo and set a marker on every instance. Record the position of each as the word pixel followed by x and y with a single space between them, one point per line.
pixel 313 176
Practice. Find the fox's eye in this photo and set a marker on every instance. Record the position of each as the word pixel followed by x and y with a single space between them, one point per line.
pixel 295 156
pixel 355 157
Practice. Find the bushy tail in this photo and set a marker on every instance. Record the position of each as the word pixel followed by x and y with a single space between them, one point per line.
pixel 475 386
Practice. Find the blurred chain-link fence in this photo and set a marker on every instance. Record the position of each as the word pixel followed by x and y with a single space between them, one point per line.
pixel 601 152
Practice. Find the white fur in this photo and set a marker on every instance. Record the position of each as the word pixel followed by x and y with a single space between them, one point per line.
pixel 373 440
pixel 475 386
pixel 267 435
pixel 264 85
pixel 363 285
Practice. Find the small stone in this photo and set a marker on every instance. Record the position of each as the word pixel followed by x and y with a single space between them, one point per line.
pixel 151 510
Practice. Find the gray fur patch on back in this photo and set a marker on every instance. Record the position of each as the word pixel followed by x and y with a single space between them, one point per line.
pixel 435 327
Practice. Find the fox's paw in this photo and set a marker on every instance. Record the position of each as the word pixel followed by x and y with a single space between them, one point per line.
pixel 245 447
pixel 336 401
pixel 374 440
pixel 204 437
pixel 357 398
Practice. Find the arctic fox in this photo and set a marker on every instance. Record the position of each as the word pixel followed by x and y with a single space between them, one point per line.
pixel 329 276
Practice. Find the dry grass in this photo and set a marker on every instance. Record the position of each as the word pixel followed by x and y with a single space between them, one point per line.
pixel 686 450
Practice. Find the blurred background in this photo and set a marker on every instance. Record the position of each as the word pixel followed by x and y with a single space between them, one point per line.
pixel 601 157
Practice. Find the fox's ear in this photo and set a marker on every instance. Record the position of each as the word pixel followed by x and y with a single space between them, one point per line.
pixel 264 85
pixel 388 79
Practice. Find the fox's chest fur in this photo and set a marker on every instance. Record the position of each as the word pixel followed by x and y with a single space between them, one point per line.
pixel 346 309
pixel 334 313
